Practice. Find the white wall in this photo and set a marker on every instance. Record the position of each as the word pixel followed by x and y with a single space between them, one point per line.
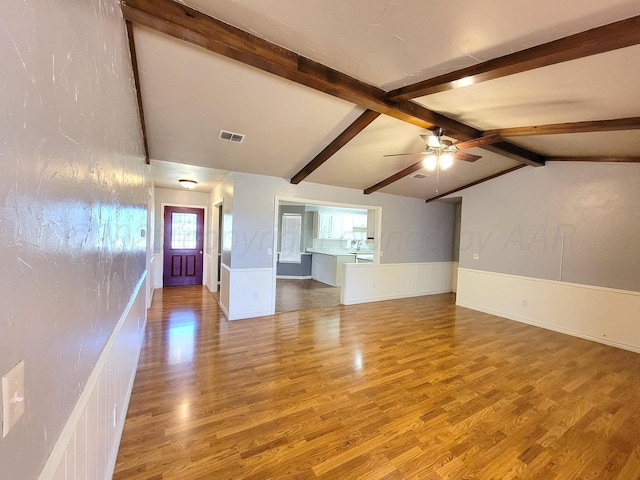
pixel 74 197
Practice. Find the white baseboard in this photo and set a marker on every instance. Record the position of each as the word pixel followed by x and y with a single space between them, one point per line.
pixel 369 282
pixel 603 315
pixel 292 277
pixel 89 441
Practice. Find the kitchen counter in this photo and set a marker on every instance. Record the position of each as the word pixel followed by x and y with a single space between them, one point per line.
pixel 337 252
pixel 329 267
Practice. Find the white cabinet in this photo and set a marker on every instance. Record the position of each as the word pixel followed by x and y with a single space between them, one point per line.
pixel 334 226
pixel 341 226
pixel 359 221
pixel 323 225
pixel 371 224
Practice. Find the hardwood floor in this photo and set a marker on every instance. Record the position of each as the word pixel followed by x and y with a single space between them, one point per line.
pixel 412 388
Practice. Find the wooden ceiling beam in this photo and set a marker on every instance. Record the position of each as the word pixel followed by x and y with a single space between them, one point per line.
pixel 136 79
pixel 613 36
pixel 477 182
pixel 182 22
pixel 395 177
pixel 340 141
pixel 618 124
pixel 601 158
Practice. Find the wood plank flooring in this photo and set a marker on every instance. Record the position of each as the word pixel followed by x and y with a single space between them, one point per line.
pixel 404 389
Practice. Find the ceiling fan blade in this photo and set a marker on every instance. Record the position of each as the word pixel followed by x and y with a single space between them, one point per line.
pixel 479 142
pixel 466 157
pixel 400 154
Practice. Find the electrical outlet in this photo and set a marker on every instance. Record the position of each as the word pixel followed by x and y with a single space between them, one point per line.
pixel 13 398
pixel 476 256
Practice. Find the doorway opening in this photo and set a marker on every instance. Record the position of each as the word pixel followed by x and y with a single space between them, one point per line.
pixel 313 240
pixel 219 249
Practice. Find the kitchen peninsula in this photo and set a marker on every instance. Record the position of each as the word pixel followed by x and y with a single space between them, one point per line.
pixel 329 267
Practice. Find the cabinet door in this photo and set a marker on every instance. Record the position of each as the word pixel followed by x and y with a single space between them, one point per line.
pixel 324 226
pixel 371 224
pixel 360 221
pixel 337 228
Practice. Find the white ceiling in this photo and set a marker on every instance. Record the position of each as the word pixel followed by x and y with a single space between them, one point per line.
pixel 189 94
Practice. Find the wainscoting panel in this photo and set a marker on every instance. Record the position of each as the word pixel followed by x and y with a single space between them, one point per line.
pixel 88 445
pixel 225 285
pixel 158 265
pixel 367 282
pixel 600 314
pixel 250 293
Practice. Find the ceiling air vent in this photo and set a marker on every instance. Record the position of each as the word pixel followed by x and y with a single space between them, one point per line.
pixel 419 175
pixel 231 136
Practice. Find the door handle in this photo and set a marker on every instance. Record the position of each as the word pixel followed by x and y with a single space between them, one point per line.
pixel 200 252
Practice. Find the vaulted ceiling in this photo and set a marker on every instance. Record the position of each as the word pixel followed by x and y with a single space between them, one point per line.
pixel 323 90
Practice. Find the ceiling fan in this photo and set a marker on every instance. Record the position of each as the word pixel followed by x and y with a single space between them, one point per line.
pixel 440 152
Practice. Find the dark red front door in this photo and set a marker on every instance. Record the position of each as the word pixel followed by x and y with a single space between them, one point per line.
pixel 183 244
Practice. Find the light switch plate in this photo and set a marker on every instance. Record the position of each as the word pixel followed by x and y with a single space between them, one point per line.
pixel 13 398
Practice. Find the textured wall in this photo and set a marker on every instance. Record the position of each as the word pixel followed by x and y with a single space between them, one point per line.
pixel 575 222
pixel 73 202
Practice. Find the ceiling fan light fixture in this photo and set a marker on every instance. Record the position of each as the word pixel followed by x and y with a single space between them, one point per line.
pixel 188 184
pixel 430 162
pixel 446 160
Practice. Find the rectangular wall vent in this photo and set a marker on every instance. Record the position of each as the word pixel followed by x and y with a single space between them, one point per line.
pixel 231 136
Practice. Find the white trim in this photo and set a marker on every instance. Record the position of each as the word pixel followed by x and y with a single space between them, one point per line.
pixel 150 280
pixel 294 277
pixel 454 276
pixel 600 314
pixel 367 282
pixel 158 268
pixel 225 281
pixel 214 247
pixel 56 460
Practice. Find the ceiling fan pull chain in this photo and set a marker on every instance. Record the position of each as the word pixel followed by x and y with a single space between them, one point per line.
pixel 437 171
